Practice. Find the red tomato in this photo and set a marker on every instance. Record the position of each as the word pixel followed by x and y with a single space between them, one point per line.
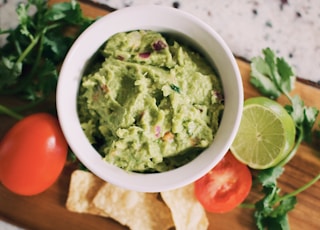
pixel 32 154
pixel 225 186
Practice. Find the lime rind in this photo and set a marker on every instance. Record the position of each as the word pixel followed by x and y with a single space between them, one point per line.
pixel 266 134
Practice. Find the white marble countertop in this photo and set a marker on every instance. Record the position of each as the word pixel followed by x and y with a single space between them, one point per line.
pixel 290 27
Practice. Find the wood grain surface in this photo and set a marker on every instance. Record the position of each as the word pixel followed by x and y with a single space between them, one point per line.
pixel 47 210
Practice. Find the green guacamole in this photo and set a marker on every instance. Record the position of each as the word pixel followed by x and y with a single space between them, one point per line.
pixel 149 103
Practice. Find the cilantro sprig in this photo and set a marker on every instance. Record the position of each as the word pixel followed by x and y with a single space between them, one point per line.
pixel 34 49
pixel 273 77
pixel 271 210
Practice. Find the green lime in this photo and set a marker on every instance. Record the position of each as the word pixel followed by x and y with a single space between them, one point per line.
pixel 266 133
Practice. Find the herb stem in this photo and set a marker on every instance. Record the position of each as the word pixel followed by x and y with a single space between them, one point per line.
pixel 10 112
pixel 294 149
pixel 38 57
pixel 299 190
pixel 29 105
pixel 5 31
pixel 28 77
pixel 288 96
pixel 28 49
pixel 247 205
pixel 53 26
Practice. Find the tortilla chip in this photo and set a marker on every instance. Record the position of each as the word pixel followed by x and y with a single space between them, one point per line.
pixel 136 210
pixel 83 188
pixel 187 212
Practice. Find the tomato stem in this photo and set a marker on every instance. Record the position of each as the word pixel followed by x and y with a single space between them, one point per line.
pixel 10 112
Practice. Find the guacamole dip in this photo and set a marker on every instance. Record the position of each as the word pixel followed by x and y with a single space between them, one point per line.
pixel 150 104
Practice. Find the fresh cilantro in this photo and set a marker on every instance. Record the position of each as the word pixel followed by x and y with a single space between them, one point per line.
pixel 274 77
pixel 271 75
pixel 317 133
pixel 304 117
pixel 271 211
pixel 175 88
pixel 34 49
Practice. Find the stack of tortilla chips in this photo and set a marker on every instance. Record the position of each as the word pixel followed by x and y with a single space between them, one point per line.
pixel 155 211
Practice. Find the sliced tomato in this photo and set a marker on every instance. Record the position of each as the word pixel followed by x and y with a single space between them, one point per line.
pixel 225 186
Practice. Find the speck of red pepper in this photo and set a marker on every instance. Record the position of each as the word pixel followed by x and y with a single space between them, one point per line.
pixel 104 88
pixel 159 45
pixel 144 55
pixel 121 58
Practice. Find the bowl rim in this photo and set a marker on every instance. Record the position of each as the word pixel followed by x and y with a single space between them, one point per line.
pixel 146 17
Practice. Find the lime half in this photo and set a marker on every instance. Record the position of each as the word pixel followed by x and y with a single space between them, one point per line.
pixel 266 134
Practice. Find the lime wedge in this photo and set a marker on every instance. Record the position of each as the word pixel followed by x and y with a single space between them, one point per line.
pixel 266 134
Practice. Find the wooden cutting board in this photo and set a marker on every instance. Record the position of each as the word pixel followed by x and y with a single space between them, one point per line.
pixel 47 210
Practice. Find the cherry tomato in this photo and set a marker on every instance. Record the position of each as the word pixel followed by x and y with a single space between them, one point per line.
pixel 32 154
pixel 225 186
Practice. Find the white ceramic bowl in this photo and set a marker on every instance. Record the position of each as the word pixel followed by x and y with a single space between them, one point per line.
pixel 162 19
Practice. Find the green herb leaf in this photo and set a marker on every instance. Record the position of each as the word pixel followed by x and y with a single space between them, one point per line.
pixel 296 109
pixel 175 88
pixel 304 117
pixel 287 78
pixel 260 73
pixel 317 132
pixel 272 76
pixel 285 206
pixel 24 19
pixel 268 177
pixel 9 71
pixel 37 46
pixel 311 114
pixel 271 210
pixel 47 75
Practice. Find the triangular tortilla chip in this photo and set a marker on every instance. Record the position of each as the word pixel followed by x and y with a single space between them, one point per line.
pixel 187 212
pixel 136 210
pixel 83 188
